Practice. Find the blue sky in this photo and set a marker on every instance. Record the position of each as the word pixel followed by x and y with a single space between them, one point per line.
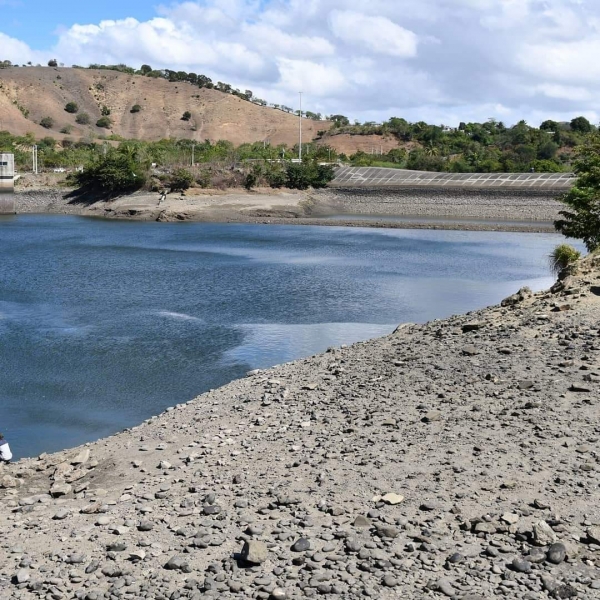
pixel 441 61
pixel 38 22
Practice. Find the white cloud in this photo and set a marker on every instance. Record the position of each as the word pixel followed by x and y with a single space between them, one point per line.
pixel 437 60
pixel 378 34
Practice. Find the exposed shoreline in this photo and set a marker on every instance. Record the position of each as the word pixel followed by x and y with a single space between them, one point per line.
pixel 479 210
pixel 452 459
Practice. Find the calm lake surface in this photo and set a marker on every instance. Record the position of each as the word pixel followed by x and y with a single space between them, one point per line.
pixel 105 323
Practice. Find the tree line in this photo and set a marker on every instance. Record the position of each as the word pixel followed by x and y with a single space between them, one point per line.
pixel 471 147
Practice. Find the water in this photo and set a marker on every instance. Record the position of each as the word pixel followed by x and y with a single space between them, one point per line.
pixel 441 220
pixel 105 323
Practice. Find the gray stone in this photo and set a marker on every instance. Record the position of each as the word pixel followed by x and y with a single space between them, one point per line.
pixel 557 553
pixel 301 545
pixel 254 552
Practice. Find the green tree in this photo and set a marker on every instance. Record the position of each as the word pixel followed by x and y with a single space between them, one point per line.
pixel 187 115
pixel 105 112
pixel 53 63
pixel 136 108
pixel 581 218
pixel 581 124
pixel 71 107
pixel 104 122
pixel 112 174
pixel 47 122
pixel 145 69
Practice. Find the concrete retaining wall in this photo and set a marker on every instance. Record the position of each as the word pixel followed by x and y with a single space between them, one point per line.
pixel 535 205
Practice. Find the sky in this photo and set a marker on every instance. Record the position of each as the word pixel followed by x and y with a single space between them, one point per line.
pixel 439 61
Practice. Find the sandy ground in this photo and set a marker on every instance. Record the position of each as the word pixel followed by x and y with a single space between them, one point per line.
pixel 455 459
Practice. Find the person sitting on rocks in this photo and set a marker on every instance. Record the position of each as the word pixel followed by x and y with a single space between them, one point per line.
pixel 5 453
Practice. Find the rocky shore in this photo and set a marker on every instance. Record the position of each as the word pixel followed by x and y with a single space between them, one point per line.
pixel 455 459
pixel 494 210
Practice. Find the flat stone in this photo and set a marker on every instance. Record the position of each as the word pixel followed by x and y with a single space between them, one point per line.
pixel 392 498
pixel 60 489
pixel 82 457
pixel 432 416
pixel 470 350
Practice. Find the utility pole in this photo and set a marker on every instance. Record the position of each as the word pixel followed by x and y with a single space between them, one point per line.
pixel 300 148
pixel 193 149
pixel 34 159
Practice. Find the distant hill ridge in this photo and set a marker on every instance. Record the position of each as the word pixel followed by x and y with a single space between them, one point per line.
pixel 33 95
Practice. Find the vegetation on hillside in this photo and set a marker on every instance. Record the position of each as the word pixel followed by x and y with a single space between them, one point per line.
pixel 471 147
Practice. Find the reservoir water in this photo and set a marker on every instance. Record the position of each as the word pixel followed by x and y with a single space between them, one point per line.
pixel 105 323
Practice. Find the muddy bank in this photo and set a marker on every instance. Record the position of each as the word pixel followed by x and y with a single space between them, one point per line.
pixel 494 211
pixel 455 459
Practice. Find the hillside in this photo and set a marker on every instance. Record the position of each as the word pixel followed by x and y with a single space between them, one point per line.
pixel 27 95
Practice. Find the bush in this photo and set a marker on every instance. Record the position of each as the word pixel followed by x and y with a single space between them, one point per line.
pixel 47 122
pixel 112 174
pixel 136 108
pixel 67 129
pixel 71 107
pixel 301 176
pixel 53 63
pixel 250 181
pixel 105 112
pixel 562 257
pixel 187 115
pixel 103 122
pixel 181 180
pixel 82 118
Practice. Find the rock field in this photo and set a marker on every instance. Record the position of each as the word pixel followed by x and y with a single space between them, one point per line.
pixel 456 459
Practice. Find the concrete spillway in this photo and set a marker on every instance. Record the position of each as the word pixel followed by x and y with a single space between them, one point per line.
pixel 7 184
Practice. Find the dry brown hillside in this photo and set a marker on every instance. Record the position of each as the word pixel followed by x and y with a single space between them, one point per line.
pixel 43 92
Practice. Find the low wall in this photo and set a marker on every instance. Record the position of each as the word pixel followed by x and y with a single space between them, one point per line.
pixel 7 204
pixel 535 205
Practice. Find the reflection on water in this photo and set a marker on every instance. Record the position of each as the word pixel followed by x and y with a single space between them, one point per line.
pixel 103 324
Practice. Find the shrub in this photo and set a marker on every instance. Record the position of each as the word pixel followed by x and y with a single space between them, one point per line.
pixel 67 129
pixel 562 257
pixel 181 180
pixel 250 181
pixel 82 118
pixel 136 108
pixel 53 63
pixel 301 176
pixel 71 107
pixel 187 115
pixel 103 122
pixel 112 174
pixel 47 122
